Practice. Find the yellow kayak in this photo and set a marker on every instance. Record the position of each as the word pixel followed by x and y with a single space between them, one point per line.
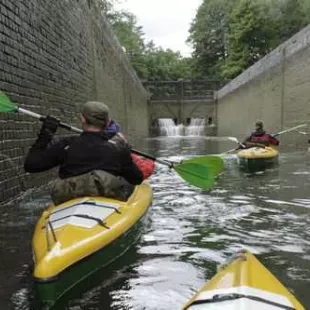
pixel 258 153
pixel 244 284
pixel 75 238
pixel 258 158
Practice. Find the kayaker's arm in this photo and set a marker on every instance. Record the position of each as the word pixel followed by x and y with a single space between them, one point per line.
pixel 42 155
pixel 41 159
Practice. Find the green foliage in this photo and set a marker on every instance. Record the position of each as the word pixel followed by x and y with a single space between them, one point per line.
pixel 250 37
pixel 160 64
pixel 209 36
pixel 293 15
pixel 228 36
pixel 149 61
pixel 129 34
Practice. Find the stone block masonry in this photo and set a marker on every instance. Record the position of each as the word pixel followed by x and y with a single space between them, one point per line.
pixel 55 55
pixel 276 89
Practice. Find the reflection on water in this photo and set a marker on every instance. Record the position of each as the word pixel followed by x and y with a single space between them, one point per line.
pixel 189 233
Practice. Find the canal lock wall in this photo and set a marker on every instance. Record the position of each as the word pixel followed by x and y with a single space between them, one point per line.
pixel 276 90
pixel 55 55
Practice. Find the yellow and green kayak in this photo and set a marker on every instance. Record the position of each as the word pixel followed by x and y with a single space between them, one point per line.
pixel 73 240
pixel 258 157
pixel 244 284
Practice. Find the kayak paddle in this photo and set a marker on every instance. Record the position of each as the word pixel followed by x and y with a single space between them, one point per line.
pixel 195 173
pixel 6 105
pixel 214 163
pixel 198 171
pixel 288 130
pixel 234 139
pixel 303 133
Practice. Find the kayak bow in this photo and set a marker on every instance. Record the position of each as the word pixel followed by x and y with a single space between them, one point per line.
pixel 244 284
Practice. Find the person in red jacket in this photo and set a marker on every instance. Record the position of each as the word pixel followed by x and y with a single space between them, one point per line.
pixel 145 165
pixel 260 136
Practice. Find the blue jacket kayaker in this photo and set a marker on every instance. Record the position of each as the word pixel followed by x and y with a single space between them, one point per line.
pixel 90 164
pixel 259 136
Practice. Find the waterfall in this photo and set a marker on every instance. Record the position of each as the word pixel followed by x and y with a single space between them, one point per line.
pixel 196 127
pixel 169 128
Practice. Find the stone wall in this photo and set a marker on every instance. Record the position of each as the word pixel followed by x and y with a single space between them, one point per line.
pixel 275 89
pixel 55 55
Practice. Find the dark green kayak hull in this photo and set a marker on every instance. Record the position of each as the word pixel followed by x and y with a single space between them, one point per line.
pixel 52 290
pixel 258 164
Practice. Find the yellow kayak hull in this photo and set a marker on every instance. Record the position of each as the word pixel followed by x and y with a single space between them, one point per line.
pixel 258 153
pixel 68 237
pixel 257 158
pixel 244 284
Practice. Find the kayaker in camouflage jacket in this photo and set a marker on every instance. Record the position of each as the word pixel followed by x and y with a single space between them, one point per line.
pixel 90 164
pixel 260 137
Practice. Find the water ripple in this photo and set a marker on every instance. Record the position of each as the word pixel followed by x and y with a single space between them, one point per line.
pixel 190 233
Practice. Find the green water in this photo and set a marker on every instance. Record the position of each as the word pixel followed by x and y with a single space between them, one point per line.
pixel 187 235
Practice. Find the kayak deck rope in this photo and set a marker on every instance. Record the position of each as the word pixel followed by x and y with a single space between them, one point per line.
pixel 88 217
pixel 89 203
pixel 96 219
pixel 225 297
pixel 49 225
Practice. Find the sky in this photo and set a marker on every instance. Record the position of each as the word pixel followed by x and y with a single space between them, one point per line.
pixel 166 22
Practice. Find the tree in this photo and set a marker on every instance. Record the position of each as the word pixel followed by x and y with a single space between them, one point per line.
pixel 128 32
pixel 208 36
pixel 293 15
pixel 166 65
pixel 251 36
pixel 148 60
pixel 228 36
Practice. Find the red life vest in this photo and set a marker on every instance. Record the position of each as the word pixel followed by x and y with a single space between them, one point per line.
pixel 264 139
pixel 146 166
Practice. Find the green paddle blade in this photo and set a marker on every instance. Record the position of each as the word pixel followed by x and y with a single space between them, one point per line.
pixel 6 105
pixel 195 174
pixel 215 164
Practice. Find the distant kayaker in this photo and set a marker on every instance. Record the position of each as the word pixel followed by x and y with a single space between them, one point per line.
pixel 259 136
pixel 147 166
pixel 90 164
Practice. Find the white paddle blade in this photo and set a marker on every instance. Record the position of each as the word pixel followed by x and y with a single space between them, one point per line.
pixel 302 132
pixel 233 139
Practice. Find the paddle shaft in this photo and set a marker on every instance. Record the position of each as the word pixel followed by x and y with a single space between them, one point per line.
pixel 230 151
pixel 234 139
pixel 288 130
pixel 41 118
pixel 77 130
pixel 161 161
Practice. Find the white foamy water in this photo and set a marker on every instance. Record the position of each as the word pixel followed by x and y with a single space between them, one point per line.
pixel 196 127
pixel 168 128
